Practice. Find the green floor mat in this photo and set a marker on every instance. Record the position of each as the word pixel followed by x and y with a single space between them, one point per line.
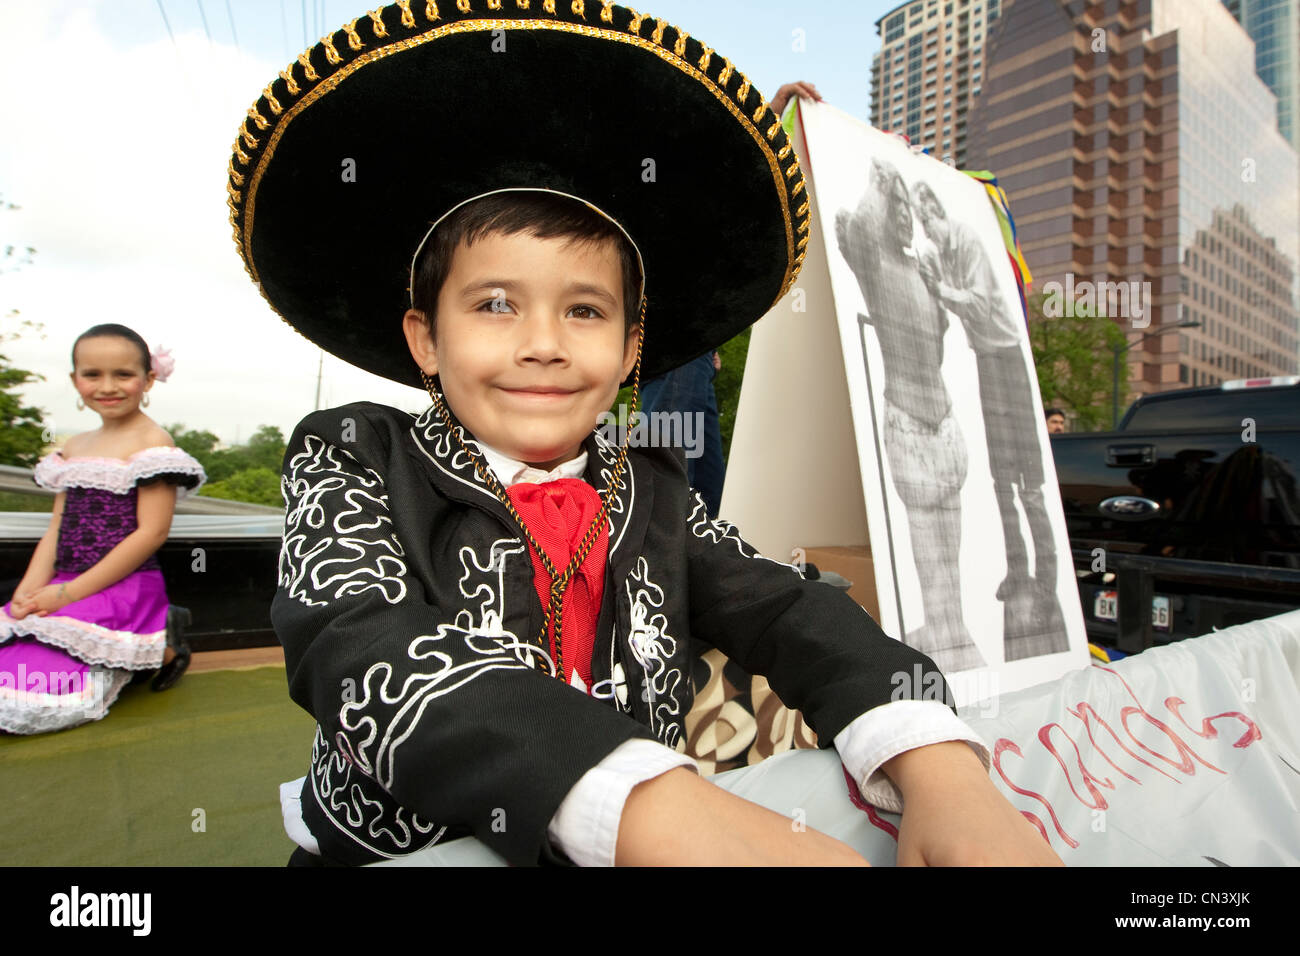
pixel 188 777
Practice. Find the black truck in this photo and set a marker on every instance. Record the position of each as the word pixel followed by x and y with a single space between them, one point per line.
pixel 1187 518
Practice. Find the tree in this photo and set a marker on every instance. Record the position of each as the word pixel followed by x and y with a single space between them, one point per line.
pixel 1073 356
pixel 23 435
pixel 248 472
pixel 257 485
pixel 22 427
pixel 198 444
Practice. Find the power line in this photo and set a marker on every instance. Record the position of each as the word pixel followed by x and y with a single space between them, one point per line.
pixel 231 17
pixel 284 27
pixel 168 26
pixel 204 17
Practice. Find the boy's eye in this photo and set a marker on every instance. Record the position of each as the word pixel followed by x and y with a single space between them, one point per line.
pixel 495 304
pixel 585 312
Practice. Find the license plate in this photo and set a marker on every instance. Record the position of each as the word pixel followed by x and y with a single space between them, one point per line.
pixel 1105 605
pixel 1160 613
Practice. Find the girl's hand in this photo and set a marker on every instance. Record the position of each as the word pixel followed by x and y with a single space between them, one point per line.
pixel 48 599
pixel 954 816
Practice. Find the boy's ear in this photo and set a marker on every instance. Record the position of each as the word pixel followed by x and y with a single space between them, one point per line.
pixel 416 329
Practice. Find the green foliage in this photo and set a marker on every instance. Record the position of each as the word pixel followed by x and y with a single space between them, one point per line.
pixel 22 426
pixel 248 472
pixel 727 386
pixel 1074 358
pixel 259 485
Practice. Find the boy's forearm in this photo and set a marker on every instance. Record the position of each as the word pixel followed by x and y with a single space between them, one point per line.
pixel 679 819
pixel 920 767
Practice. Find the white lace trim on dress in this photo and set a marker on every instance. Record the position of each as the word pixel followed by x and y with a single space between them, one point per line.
pixel 33 710
pixel 113 474
pixel 90 642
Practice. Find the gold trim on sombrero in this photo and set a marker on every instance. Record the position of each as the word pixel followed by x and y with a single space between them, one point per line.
pixel 762 139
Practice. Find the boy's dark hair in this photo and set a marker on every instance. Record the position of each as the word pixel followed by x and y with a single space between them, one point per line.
pixel 117 331
pixel 544 215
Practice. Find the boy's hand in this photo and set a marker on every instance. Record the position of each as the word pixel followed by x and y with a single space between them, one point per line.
pixel 954 816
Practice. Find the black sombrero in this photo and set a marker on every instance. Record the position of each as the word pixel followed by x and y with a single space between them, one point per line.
pixel 378 130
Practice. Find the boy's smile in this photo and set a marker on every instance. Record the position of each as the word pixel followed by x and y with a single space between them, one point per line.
pixel 529 342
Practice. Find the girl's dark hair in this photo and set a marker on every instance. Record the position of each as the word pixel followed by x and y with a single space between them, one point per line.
pixel 540 214
pixel 121 332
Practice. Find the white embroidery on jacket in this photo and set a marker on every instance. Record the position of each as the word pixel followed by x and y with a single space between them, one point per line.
pixel 619 514
pixel 653 647
pixel 362 553
pixel 429 431
pixel 718 530
pixel 447 669
pixel 338 795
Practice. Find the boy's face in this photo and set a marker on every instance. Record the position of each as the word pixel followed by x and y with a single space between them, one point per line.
pixel 529 343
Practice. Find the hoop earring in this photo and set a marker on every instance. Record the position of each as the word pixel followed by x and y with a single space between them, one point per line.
pixel 144 400
pixel 81 406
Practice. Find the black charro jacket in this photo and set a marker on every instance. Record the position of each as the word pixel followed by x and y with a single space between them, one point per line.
pixel 406 607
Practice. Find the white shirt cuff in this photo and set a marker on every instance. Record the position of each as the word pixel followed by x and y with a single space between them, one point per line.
pixel 585 827
pixel 884 732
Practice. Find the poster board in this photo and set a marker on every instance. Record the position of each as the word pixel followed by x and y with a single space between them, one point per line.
pixel 910 426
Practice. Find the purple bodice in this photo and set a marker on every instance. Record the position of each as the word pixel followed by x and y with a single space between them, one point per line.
pixel 94 522
pixel 99 508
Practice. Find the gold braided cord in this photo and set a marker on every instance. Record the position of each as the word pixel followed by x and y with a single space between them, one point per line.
pixel 408 18
pixel 354 38
pixel 559 579
pixel 271 101
pixel 331 54
pixel 289 81
pixel 377 22
pixel 304 60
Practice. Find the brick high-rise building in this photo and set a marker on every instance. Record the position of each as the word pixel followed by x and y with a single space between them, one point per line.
pixel 1138 145
pixel 929 69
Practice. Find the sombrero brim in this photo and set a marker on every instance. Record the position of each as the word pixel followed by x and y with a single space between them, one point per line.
pixel 378 130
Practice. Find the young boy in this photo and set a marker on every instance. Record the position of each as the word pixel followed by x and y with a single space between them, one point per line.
pixel 487 608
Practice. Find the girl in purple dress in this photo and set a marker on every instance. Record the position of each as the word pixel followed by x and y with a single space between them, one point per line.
pixel 91 611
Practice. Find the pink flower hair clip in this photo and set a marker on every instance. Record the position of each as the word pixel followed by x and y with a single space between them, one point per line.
pixel 163 363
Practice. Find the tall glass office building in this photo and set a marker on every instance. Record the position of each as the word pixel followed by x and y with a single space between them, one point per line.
pixel 1137 144
pixel 1274 25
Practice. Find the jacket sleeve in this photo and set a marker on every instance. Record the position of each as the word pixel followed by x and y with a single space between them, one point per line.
pixel 820 651
pixel 440 706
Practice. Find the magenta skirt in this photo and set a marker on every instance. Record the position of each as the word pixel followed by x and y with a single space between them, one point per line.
pixel 68 668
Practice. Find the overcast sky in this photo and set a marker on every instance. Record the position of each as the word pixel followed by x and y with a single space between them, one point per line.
pixel 115 143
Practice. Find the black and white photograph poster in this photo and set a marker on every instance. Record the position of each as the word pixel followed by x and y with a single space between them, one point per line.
pixel 971 554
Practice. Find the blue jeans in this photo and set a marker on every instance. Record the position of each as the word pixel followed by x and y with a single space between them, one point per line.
pixel 689 389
